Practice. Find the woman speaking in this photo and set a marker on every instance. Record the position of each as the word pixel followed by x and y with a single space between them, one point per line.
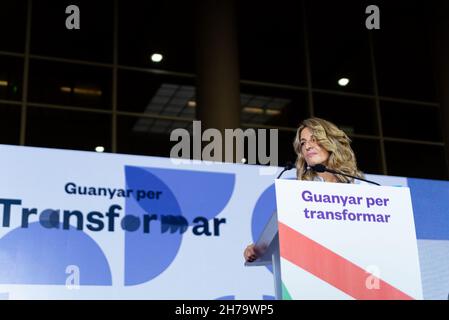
pixel 320 142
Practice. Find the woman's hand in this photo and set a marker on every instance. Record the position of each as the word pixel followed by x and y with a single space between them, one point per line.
pixel 250 253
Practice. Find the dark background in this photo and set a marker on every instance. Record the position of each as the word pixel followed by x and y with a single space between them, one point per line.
pixel 78 89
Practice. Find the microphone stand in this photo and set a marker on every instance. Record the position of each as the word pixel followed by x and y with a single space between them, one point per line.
pixel 288 166
pixel 323 168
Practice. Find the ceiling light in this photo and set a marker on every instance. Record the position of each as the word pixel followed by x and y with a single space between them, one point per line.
pixel 82 91
pixel 272 112
pixel 99 149
pixel 343 82
pixel 156 57
pixel 256 110
pixel 87 92
pixel 66 89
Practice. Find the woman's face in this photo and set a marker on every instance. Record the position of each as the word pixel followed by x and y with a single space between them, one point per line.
pixel 312 152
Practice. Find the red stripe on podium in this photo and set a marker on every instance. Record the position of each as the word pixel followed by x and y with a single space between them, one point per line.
pixel 333 268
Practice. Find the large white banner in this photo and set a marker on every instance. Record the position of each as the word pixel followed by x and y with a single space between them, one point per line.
pixel 101 226
pixel 86 225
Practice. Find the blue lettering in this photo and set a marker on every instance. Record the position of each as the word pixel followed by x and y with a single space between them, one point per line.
pixel 7 203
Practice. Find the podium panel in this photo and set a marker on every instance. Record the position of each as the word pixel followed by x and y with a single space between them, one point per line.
pixel 342 241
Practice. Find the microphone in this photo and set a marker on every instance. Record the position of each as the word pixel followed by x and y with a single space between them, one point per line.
pixel 287 167
pixel 323 168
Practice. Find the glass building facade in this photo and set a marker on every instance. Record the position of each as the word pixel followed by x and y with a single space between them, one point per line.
pixel 98 86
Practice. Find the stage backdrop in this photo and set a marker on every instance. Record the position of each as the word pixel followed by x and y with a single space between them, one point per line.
pixel 85 225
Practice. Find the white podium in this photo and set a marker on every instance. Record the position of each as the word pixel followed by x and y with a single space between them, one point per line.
pixel 341 241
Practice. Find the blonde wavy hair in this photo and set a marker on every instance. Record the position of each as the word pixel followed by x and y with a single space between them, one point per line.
pixel 335 141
